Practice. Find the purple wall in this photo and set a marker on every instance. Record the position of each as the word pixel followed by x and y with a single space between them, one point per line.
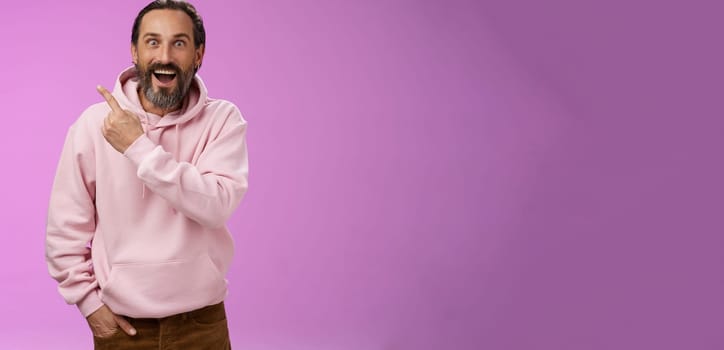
pixel 424 174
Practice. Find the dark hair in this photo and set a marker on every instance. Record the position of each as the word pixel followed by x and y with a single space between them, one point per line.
pixel 199 31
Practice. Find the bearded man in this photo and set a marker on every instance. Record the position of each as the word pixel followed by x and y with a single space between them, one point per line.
pixel 136 231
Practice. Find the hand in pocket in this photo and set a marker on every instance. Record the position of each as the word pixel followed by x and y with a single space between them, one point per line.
pixel 104 323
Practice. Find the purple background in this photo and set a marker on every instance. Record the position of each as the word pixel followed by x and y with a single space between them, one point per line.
pixel 424 174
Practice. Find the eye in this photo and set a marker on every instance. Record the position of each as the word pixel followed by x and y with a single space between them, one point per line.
pixel 179 43
pixel 152 42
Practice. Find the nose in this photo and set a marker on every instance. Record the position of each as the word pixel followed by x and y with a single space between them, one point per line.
pixel 165 54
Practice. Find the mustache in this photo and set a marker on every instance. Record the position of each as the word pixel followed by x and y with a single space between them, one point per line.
pixel 164 66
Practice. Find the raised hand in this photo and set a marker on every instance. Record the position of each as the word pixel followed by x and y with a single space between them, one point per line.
pixel 121 127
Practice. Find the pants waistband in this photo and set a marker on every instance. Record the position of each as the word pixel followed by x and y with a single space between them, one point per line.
pixel 184 315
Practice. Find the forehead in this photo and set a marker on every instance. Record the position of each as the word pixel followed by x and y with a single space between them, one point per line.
pixel 166 22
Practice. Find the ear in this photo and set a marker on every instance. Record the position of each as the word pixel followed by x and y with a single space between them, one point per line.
pixel 199 55
pixel 134 54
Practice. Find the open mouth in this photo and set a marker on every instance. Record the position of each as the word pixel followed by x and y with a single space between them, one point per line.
pixel 164 76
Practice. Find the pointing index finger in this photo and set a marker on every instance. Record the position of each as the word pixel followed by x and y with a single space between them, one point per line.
pixel 109 98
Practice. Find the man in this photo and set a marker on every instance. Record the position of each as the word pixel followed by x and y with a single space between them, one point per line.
pixel 136 232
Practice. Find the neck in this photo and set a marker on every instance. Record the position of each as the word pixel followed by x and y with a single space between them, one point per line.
pixel 149 107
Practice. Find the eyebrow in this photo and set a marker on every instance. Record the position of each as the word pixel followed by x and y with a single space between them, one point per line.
pixel 155 35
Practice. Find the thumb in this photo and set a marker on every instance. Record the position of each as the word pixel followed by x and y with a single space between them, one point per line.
pixel 123 323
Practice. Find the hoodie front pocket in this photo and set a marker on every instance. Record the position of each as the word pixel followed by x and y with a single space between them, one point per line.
pixel 163 289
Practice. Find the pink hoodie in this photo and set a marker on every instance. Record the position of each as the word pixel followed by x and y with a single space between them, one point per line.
pixel 144 232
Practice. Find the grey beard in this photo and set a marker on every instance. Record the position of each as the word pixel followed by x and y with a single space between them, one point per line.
pixel 163 100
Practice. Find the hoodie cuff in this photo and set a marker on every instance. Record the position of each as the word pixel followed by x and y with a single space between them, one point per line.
pixel 89 304
pixel 139 149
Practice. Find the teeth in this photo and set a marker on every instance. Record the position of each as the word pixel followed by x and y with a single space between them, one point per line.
pixel 161 71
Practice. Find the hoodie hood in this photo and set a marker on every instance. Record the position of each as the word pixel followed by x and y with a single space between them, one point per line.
pixel 126 92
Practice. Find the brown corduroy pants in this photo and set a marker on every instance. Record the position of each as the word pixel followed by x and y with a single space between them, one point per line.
pixel 201 329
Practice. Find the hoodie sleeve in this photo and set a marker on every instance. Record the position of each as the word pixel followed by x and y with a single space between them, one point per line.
pixel 207 192
pixel 71 223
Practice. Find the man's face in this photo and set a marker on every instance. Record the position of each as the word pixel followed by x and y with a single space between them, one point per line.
pixel 165 57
